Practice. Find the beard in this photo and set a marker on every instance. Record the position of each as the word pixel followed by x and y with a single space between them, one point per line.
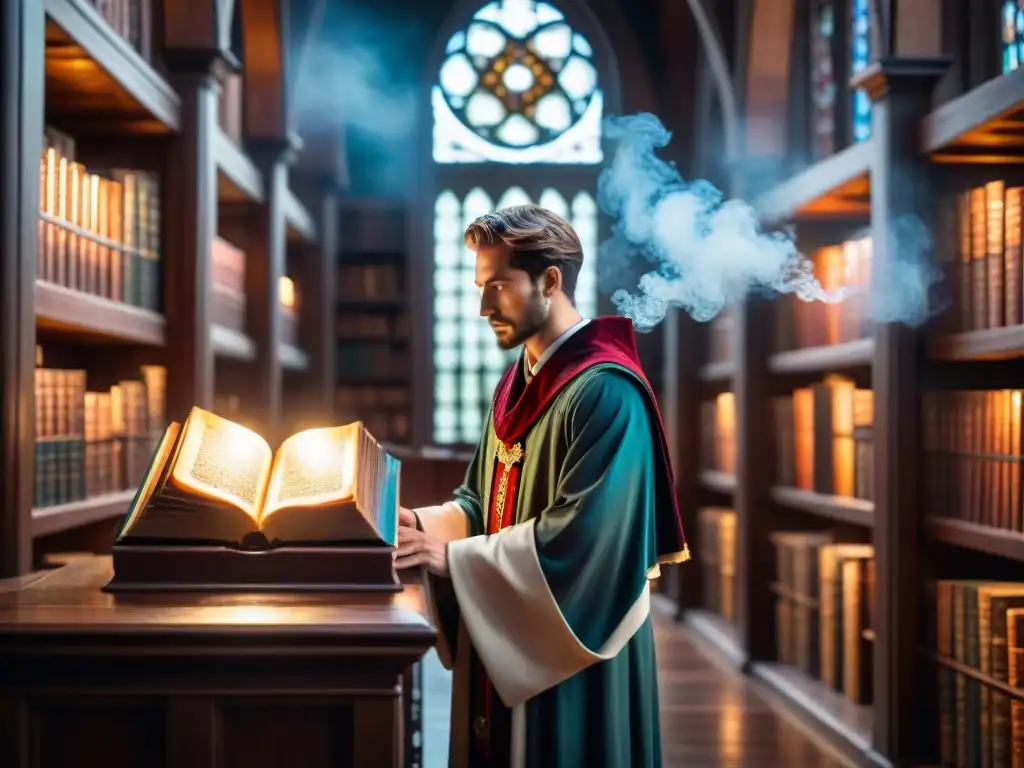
pixel 513 334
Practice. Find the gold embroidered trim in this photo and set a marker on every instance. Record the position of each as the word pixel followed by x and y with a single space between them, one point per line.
pixel 507 457
pixel 676 557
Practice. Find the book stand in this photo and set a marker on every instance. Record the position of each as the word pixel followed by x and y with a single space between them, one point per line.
pixel 149 568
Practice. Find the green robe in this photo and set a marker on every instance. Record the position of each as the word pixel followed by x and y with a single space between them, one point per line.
pixel 587 493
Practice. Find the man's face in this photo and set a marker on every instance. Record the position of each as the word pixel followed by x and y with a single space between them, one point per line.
pixel 513 304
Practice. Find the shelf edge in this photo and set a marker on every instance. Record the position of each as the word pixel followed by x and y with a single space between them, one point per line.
pixel 87 28
pixel 117 321
pixel 979 538
pixel 64 517
pixel 845 355
pixel 841 508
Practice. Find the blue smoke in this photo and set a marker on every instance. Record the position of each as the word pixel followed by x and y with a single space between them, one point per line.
pixel 706 252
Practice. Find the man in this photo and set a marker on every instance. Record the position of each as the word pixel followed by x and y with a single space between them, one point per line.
pixel 539 566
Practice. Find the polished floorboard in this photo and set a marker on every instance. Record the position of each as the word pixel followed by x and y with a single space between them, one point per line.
pixel 711 716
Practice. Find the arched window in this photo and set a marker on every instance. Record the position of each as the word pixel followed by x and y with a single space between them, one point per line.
pixel 1013 34
pixel 860 56
pixel 823 78
pixel 517 109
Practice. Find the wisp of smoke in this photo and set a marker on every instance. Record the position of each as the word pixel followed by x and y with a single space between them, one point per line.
pixel 707 252
pixel 349 84
pixel 351 79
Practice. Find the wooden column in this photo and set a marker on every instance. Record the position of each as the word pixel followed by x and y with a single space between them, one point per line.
pixel 755 444
pixel 22 64
pixel 900 90
pixel 190 191
pixel 755 603
pixel 263 239
pixel 681 411
pixel 317 277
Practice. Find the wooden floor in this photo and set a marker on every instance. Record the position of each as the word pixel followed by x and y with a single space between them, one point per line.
pixel 711 717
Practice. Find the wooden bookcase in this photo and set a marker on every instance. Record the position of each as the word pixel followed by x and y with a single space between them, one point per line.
pixel 374 351
pixel 144 98
pixel 926 152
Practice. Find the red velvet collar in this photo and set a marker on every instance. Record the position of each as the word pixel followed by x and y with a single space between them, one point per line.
pixel 604 340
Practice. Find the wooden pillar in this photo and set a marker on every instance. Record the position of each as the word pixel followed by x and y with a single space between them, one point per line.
pixel 22 64
pixel 259 230
pixel 190 191
pixel 755 444
pixel 900 91
pixel 755 603
pixel 265 258
pixel 682 360
pixel 317 334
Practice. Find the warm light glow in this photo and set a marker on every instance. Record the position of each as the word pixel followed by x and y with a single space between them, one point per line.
pixel 319 450
pixel 252 614
pixel 730 733
pixel 286 291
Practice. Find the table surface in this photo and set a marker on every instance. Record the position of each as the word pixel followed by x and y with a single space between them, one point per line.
pixel 70 600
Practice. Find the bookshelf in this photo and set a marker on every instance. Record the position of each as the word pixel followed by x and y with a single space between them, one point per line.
pixel 374 376
pixel 126 140
pixel 928 495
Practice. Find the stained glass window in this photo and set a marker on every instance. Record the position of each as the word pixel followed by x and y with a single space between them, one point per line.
pixel 1013 34
pixel 823 79
pixel 467 359
pixel 860 55
pixel 518 85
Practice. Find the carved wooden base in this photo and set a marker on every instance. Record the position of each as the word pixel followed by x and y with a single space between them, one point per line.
pixel 288 569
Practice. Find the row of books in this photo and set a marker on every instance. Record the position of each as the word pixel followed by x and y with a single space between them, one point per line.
pixel 362 283
pixel 99 230
pixel 368 398
pixel 131 20
pixel 375 327
pixel 973 453
pixel 371 362
pixel 388 427
pixel 384 409
pixel 980 626
pixel 823 438
pixel 91 443
pixel 825 609
pixel 981 250
pixel 845 268
pixel 373 229
pixel 717 555
pixel 718 433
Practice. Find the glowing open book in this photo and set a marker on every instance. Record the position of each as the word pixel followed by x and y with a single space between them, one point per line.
pixel 214 481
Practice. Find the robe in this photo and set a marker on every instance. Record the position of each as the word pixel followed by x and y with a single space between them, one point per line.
pixel 545 618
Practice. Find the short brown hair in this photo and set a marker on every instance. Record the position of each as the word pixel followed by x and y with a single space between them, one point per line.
pixel 538 238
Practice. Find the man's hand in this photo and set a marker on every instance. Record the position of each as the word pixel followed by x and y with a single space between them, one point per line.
pixel 417 548
pixel 407 518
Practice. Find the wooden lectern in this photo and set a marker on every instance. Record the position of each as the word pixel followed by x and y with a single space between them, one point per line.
pixel 198 680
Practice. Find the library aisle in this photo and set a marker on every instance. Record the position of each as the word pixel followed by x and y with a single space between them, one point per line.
pixel 711 715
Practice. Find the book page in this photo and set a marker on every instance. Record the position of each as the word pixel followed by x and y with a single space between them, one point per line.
pixel 313 467
pixel 223 460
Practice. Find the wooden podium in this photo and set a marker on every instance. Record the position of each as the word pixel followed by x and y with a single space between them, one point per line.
pixel 201 680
